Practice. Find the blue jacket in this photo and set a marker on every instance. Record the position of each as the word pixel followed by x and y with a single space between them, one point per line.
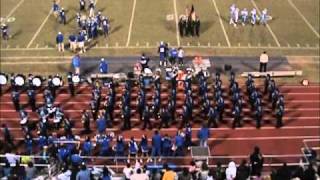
pixel 101 124
pixel 59 38
pixel 76 61
pixel 204 133
pixel 103 67
pixel 156 141
pixel 179 141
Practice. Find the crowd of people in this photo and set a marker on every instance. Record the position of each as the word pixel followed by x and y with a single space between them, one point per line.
pixel 142 170
pixel 89 25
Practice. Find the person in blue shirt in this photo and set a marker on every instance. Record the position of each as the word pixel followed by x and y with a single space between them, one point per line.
pixel 156 144
pixel 166 145
pixel 59 41
pixel 81 40
pixel 63 154
pixel 87 147
pixel 179 142
pixel 84 173
pixel 105 146
pixel 55 8
pixel 76 160
pixel 119 148
pixel 173 56
pixel 144 146
pixel 212 116
pixel 162 50
pixel 73 42
pixel 103 66
pixel 43 141
pixel 76 63
pixel 62 15
pixel 101 124
pixel 29 144
pixel 133 148
pixel 203 135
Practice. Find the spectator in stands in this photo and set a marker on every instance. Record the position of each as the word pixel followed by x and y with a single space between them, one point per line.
pixel 146 115
pixel 76 64
pixel 243 171
pixel 30 171
pixel 84 173
pixel 168 174
pixel 6 171
pixel 106 174
pixel 203 135
pixel 59 41
pixel 188 136
pixel 156 145
pixel 103 66
pixel 256 160
pixel 231 171
pixel 18 172
pixel 185 175
pixel 127 171
pixel 263 61
pixel 139 175
pixel 284 172
pixel 310 173
pixel 193 170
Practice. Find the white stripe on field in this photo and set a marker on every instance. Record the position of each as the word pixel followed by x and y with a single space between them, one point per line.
pixel 176 18
pixel 39 29
pixel 268 27
pixel 131 22
pixel 304 18
pixel 14 9
pixel 221 23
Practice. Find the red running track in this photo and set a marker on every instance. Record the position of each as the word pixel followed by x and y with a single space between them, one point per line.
pixel 302 120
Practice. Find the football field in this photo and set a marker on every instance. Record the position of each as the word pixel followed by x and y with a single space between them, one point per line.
pixel 139 25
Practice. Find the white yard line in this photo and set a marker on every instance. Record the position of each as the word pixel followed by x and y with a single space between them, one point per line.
pixel 304 18
pixel 131 22
pixel 39 29
pixel 14 9
pixel 176 18
pixel 269 28
pixel 221 23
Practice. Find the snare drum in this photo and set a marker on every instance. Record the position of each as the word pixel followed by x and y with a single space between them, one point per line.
pixel 19 80
pixel 56 81
pixel 3 79
pixel 36 81
pixel 75 79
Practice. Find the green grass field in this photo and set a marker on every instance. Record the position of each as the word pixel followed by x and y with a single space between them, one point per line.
pixel 294 28
pixel 139 25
